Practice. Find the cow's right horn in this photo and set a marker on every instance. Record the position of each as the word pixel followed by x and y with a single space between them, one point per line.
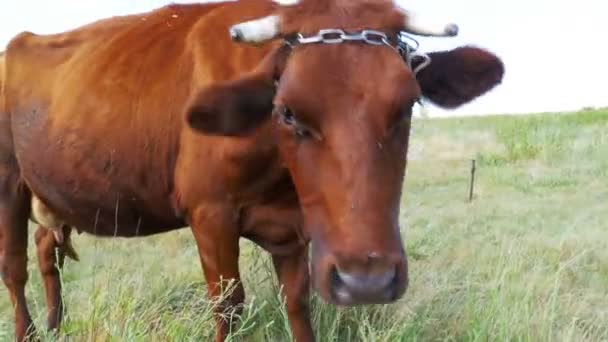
pixel 256 31
pixel 416 24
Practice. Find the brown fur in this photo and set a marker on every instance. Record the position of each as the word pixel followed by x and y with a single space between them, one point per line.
pixel 464 73
pixel 2 62
pixel 103 124
pixel 311 15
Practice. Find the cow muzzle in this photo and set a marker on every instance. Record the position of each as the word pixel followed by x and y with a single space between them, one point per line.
pixel 375 279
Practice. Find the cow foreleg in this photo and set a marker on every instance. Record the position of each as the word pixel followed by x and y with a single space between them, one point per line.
pixel 217 238
pixel 293 274
pixel 14 212
pixel 50 260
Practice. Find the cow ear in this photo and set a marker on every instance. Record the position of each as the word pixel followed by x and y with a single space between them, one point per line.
pixel 236 107
pixel 232 108
pixel 456 77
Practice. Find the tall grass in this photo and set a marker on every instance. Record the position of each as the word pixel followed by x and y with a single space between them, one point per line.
pixel 526 261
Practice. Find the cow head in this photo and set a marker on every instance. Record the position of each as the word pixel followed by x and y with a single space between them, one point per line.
pixel 341 114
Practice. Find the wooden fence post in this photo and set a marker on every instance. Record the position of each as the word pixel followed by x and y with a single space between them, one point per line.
pixel 472 185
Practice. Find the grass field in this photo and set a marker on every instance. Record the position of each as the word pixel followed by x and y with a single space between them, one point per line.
pixel 526 261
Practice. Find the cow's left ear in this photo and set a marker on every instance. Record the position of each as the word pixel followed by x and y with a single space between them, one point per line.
pixel 456 77
pixel 236 107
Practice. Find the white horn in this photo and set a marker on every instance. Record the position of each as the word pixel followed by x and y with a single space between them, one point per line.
pixel 287 2
pixel 416 24
pixel 256 31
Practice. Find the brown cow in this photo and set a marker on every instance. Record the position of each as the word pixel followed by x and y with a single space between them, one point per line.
pixel 148 123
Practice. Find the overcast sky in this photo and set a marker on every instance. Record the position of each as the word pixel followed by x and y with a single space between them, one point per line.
pixel 555 51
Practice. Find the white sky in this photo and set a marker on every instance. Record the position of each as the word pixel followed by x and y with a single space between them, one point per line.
pixel 555 54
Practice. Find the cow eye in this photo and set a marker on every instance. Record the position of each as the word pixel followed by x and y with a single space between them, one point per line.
pixel 289 120
pixel 286 116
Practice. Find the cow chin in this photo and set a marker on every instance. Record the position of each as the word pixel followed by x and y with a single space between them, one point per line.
pixel 350 281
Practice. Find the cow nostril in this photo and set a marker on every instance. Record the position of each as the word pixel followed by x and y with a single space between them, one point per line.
pixel 340 290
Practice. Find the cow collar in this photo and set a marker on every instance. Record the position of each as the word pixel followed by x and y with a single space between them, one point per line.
pixel 405 45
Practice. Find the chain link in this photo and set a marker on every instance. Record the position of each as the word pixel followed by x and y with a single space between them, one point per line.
pixel 337 36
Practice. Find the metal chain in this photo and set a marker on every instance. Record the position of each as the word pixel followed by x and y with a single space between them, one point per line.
pixel 337 36
pixel 406 47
